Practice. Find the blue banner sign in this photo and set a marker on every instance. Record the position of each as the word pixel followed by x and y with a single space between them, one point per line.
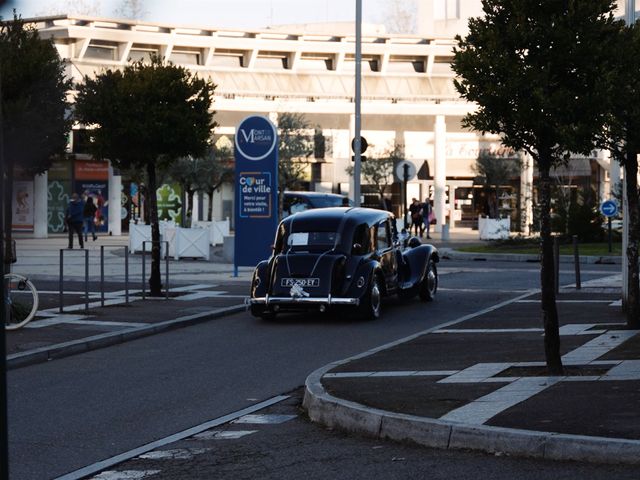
pixel 256 212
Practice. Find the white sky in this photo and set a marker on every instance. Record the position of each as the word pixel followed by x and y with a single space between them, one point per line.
pixel 217 13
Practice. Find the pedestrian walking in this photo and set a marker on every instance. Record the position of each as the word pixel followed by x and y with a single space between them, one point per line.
pixel 74 217
pixel 427 215
pixel 415 209
pixel 89 215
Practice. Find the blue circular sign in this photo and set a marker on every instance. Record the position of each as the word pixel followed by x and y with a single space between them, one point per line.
pixel 256 138
pixel 609 208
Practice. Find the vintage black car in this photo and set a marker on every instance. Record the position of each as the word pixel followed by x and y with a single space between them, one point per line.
pixel 342 257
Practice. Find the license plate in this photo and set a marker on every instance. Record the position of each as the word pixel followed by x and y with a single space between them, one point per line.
pixel 303 282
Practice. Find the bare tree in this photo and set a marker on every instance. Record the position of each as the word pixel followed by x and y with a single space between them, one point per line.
pixel 400 16
pixel 133 9
pixel 72 7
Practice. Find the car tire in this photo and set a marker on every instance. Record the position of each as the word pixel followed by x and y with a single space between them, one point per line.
pixel 371 303
pixel 429 284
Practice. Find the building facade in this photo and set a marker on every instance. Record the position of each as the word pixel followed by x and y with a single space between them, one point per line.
pixel 408 99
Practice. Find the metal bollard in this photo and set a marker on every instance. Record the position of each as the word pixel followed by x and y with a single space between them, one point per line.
pixel 576 259
pixel 126 272
pixel 556 262
pixel 61 280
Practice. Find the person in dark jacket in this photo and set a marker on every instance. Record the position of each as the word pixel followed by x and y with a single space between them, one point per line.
pixel 74 217
pixel 89 214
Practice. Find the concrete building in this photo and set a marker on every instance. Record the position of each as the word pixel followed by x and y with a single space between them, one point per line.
pixel 408 99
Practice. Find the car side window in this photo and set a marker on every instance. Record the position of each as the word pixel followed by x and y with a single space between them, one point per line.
pixel 382 236
pixel 363 240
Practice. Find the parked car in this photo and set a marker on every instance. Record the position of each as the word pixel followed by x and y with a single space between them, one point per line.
pixel 342 258
pixel 294 202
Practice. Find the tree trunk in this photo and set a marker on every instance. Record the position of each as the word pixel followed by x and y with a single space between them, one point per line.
pixel 547 275
pixel 8 215
pixel 210 213
pixel 155 281
pixel 633 298
pixel 190 218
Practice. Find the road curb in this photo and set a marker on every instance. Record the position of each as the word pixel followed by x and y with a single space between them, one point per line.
pixel 60 350
pixel 453 254
pixel 353 417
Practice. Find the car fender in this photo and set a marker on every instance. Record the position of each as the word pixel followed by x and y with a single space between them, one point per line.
pixel 418 258
pixel 364 270
pixel 260 280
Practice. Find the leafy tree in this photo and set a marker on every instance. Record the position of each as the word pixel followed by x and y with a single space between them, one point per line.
pixel 623 139
pixel 78 7
pixel 35 123
pixel 218 169
pixel 537 71
pixel 293 153
pixel 493 172
pixel 378 171
pixel 187 171
pixel 144 116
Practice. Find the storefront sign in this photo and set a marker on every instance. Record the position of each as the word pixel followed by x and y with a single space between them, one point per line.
pixel 256 212
pixel 22 206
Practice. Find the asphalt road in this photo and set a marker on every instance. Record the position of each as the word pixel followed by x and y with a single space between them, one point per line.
pixel 75 411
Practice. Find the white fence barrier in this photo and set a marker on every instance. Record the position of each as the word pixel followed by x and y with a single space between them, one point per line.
pixel 494 228
pixel 217 230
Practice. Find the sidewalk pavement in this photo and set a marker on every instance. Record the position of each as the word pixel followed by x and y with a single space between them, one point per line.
pixel 475 383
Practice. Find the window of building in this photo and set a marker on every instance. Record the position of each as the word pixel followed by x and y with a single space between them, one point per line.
pixel 446 9
pixel 227 59
pixel 144 54
pixel 185 57
pixel 101 52
pixel 272 60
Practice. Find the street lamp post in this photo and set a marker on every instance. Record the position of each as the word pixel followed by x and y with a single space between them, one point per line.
pixel 357 151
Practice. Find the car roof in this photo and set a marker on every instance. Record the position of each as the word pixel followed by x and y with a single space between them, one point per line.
pixel 314 194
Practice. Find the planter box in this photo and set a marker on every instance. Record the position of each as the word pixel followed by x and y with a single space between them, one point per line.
pixel 188 242
pixel 217 230
pixel 139 233
pixel 494 228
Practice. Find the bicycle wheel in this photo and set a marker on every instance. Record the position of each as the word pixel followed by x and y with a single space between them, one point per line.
pixel 21 297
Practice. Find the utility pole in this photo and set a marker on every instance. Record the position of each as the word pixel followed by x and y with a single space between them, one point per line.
pixel 358 121
pixel 4 423
pixel 630 19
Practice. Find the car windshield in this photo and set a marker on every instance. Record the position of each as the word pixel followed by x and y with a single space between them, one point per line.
pixel 324 202
pixel 311 241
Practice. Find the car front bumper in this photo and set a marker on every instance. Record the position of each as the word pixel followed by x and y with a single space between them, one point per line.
pixel 329 300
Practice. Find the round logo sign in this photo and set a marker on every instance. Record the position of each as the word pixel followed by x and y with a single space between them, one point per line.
pixel 256 137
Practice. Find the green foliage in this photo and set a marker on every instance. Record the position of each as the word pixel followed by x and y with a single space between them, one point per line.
pixel 537 70
pixel 378 171
pixel 146 113
pixel 294 150
pixel 34 107
pixel 493 172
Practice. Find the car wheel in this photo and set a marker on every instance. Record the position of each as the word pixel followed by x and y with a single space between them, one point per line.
pixel 429 285
pixel 371 303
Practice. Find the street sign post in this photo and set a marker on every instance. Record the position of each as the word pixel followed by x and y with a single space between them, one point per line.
pixel 256 185
pixel 405 171
pixel 609 208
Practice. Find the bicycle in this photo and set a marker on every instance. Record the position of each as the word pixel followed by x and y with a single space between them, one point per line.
pixel 21 298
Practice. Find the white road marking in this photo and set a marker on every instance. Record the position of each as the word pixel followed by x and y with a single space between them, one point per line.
pixel 626 370
pixel 174 454
pixel 264 419
pixel 484 408
pixel 224 435
pixel 79 320
pixel 433 373
pixel 109 462
pixel 476 373
pixel 597 347
pixel 125 475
